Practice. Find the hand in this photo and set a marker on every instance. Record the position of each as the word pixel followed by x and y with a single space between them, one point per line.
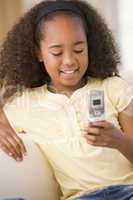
pixel 10 142
pixel 104 134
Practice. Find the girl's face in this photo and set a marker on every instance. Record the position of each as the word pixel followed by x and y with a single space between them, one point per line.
pixel 64 52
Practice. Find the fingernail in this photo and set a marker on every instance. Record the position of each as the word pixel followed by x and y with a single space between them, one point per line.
pixel 10 154
pixel 19 159
pixel 25 153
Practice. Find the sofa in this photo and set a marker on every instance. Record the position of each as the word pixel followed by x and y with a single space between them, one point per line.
pixel 32 179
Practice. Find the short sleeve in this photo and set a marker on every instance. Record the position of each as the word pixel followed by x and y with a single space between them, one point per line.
pixel 16 113
pixel 119 92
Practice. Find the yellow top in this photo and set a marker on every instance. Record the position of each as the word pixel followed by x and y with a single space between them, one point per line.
pixel 55 121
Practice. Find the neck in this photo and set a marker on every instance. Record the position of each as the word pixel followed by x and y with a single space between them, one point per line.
pixel 68 91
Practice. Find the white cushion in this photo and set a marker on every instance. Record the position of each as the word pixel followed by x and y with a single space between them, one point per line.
pixel 31 179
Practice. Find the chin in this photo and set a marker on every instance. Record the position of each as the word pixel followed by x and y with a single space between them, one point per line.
pixel 71 84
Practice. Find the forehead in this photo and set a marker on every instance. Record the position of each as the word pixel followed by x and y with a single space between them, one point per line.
pixel 65 27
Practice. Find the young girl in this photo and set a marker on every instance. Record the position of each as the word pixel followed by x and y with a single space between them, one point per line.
pixel 50 61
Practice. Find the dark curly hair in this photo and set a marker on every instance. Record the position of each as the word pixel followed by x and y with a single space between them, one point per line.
pixel 19 64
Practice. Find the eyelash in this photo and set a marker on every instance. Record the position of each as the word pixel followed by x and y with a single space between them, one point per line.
pixel 58 54
pixel 78 52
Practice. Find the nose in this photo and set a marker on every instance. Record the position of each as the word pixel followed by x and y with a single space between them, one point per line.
pixel 68 59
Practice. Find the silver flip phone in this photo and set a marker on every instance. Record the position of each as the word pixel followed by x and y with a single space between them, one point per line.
pixel 96 105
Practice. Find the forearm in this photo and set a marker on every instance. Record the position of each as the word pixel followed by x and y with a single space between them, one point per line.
pixel 126 147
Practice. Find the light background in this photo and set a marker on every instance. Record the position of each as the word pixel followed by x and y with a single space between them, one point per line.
pixel 117 13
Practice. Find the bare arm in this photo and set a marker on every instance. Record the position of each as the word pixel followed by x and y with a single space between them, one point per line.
pixel 126 122
pixel 105 134
pixel 10 142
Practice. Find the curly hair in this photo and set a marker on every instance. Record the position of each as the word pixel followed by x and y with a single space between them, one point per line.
pixel 19 64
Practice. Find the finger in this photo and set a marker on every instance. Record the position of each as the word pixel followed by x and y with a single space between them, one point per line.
pixel 87 129
pixel 7 146
pixel 94 131
pixel 16 140
pixel 95 141
pixel 8 151
pixel 91 139
pixel 103 124
pixel 92 125
pixel 20 145
pixel 14 147
pixel 4 147
pixel 98 144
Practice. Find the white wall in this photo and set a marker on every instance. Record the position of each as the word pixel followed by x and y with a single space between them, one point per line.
pixel 126 32
pixel 119 16
pixel 108 9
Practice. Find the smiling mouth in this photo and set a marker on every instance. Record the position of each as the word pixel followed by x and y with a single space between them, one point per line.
pixel 69 72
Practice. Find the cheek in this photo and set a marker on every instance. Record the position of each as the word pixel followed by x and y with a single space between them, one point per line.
pixel 48 62
pixel 87 60
pixel 51 67
pixel 84 61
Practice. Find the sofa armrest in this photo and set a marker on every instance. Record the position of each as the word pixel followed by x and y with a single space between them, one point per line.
pixel 31 179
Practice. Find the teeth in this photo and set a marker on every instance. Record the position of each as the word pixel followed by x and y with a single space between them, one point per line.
pixel 69 72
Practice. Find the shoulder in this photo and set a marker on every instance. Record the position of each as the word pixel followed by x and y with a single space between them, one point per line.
pixel 116 90
pixel 119 92
pixel 111 82
pixel 116 82
pixel 117 86
pixel 27 97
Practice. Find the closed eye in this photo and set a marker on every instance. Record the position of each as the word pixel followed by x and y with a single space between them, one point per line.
pixel 78 51
pixel 56 54
pixel 60 53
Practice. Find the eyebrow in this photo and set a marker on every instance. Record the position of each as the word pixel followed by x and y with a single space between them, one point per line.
pixel 59 45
